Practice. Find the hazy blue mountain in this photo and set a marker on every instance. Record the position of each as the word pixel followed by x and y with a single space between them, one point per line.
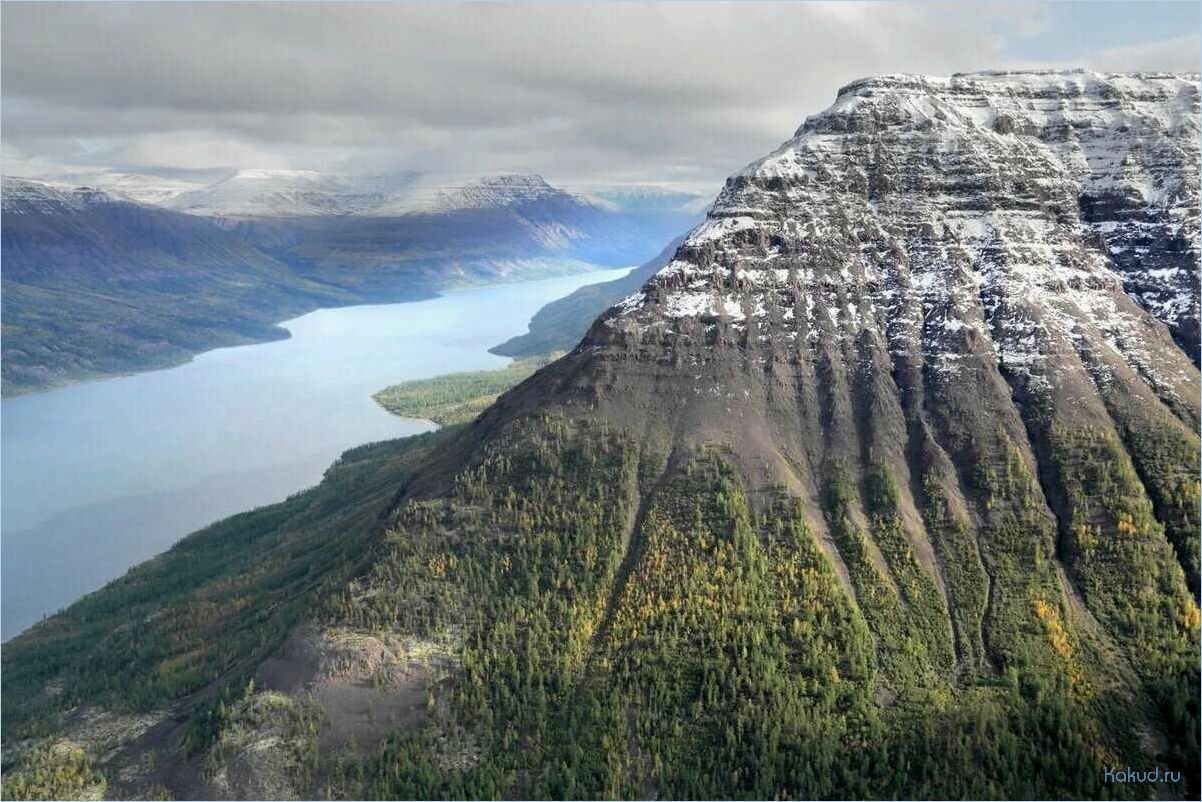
pixel 95 285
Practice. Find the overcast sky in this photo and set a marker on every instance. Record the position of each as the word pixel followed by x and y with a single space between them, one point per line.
pixel 675 93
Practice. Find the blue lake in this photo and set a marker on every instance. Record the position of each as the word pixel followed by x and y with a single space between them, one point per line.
pixel 102 475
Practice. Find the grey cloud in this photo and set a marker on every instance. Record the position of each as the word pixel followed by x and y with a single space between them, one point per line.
pixel 1177 54
pixel 676 91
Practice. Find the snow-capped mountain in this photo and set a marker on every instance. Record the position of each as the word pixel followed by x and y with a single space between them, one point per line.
pixel 951 327
pixel 885 484
pixel 149 190
pixel 25 196
pixel 435 193
pixel 1006 210
pixel 140 188
pixel 940 276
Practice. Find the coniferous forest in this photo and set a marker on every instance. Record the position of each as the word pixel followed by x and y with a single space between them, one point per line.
pixel 617 624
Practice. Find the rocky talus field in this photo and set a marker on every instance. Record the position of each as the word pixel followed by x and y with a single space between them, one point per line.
pixel 886 485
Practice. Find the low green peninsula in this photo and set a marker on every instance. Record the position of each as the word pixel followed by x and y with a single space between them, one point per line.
pixel 458 397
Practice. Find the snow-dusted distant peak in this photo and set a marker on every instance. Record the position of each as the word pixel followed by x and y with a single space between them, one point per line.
pixel 151 190
pixel 305 193
pixel 276 176
pixel 146 189
pixel 277 193
pixel 268 193
pixel 445 192
pixel 24 195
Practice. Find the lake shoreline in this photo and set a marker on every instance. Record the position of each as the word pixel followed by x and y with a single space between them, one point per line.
pixel 108 473
pixel 63 381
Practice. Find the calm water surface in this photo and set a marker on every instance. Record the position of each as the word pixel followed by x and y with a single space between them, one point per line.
pixel 100 476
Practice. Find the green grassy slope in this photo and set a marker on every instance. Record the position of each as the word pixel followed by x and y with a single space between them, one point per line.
pixel 632 628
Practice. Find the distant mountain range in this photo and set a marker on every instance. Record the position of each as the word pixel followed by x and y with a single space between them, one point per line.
pixel 258 192
pixel 134 272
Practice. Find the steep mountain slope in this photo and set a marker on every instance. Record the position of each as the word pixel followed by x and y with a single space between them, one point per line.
pixel 906 237
pixel 912 318
pixel 883 487
pixel 191 623
pixel 559 325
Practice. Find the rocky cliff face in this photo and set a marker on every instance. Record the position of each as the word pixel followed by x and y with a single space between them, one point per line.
pixel 999 215
pixel 984 287
pixel 927 264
